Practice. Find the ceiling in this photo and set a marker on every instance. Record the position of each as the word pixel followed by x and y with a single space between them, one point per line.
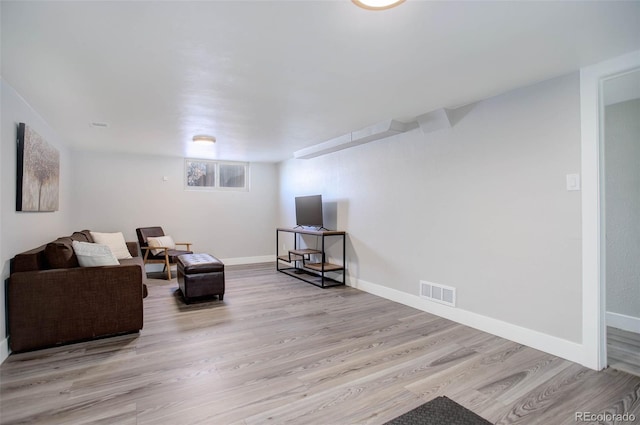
pixel 268 78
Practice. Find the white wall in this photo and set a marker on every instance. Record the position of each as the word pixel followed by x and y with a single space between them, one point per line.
pixel 21 231
pixel 116 192
pixel 622 156
pixel 482 206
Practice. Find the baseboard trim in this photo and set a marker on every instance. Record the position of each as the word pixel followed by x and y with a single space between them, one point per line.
pixel 624 322
pixel 4 350
pixel 540 341
pixel 248 260
pixel 227 261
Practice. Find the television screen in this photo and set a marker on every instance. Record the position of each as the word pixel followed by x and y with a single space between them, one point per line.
pixel 309 211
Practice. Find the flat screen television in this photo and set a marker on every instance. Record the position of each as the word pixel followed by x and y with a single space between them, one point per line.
pixel 309 211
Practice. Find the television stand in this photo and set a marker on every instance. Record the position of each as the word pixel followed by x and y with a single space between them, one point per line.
pixel 311 265
pixel 316 228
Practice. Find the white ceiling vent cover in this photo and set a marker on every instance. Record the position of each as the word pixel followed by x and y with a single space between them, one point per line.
pixel 442 294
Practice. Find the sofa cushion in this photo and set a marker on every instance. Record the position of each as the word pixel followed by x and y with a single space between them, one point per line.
pixel 59 254
pixel 82 236
pixel 115 241
pixel 94 254
pixel 28 261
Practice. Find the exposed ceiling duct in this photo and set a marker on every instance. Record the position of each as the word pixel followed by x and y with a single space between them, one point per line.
pixel 368 134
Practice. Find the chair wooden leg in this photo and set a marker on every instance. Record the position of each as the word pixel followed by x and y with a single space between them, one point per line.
pixel 144 261
pixel 167 265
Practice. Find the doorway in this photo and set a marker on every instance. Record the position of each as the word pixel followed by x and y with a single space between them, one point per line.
pixel 620 181
pixel 594 336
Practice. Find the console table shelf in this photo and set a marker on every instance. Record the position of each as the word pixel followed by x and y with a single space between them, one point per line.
pixel 327 267
pixel 303 252
pixel 289 259
pixel 303 266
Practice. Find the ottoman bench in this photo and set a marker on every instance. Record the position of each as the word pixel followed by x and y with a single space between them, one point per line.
pixel 200 275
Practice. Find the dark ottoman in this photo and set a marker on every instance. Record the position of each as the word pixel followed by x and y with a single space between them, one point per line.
pixel 200 275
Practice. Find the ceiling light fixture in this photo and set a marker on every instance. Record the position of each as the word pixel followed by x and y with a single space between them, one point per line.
pixel 203 138
pixel 377 4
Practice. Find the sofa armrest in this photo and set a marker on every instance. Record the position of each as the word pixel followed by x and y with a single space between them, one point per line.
pixel 57 306
pixel 133 249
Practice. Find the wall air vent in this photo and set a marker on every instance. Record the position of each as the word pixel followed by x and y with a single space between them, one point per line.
pixel 439 293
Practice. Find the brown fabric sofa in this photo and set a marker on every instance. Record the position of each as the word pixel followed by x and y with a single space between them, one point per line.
pixel 52 300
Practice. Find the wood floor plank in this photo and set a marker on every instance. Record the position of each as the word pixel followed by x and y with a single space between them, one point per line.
pixel 278 350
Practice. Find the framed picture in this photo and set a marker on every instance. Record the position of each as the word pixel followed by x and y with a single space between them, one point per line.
pixel 38 172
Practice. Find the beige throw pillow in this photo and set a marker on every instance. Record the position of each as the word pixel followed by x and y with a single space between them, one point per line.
pixel 115 241
pixel 164 241
pixel 93 254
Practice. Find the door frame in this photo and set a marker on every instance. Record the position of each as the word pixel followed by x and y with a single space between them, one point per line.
pixel 594 309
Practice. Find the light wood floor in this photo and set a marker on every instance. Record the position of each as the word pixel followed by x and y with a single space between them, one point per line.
pixel 623 351
pixel 280 351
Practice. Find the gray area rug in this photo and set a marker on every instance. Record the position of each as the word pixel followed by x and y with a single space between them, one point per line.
pixel 439 411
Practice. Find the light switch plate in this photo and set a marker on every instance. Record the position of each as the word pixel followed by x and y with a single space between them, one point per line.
pixel 573 181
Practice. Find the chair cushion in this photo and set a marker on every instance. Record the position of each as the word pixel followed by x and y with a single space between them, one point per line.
pixel 175 253
pixel 148 232
pixel 164 241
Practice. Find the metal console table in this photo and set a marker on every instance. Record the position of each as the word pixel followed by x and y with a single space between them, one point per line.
pixel 310 265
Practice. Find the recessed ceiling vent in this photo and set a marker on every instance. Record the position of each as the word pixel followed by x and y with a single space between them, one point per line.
pixel 99 125
pixel 442 294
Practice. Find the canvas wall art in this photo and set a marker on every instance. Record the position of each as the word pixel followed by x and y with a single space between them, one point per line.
pixel 38 172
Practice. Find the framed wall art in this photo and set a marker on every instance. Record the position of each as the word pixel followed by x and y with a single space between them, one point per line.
pixel 38 172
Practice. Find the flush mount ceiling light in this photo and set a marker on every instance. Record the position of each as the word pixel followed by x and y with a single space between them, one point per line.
pixel 203 138
pixel 377 4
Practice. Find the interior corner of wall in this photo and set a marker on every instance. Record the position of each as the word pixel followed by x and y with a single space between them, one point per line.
pixel 4 349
